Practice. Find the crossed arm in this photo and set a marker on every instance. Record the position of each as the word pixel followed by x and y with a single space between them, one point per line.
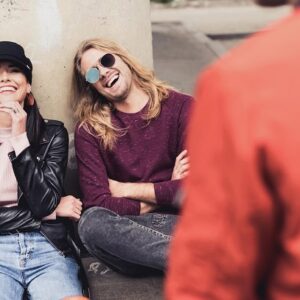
pixel 128 198
pixel 144 192
pixel 123 198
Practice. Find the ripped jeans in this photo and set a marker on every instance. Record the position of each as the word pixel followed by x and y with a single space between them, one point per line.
pixel 131 244
pixel 28 262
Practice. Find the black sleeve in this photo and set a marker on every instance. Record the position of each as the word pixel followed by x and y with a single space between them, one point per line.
pixel 17 218
pixel 42 183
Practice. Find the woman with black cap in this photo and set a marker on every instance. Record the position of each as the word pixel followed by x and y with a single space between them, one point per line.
pixel 34 253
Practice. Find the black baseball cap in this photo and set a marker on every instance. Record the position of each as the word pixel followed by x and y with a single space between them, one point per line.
pixel 14 52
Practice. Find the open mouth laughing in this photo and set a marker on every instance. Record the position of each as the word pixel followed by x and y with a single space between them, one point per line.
pixel 7 89
pixel 112 80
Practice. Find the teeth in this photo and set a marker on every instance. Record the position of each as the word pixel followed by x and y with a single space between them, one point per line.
pixel 112 80
pixel 7 89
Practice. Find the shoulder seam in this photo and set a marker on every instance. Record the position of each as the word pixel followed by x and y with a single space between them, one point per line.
pixel 53 122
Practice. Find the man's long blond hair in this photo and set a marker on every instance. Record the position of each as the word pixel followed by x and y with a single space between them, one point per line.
pixel 93 110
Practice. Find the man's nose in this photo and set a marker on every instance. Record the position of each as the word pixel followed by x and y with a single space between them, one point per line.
pixel 102 70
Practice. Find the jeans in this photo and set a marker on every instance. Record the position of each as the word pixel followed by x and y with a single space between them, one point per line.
pixel 130 244
pixel 30 264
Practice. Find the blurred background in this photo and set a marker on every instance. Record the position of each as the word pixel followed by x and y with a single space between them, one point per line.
pixel 187 35
pixel 177 38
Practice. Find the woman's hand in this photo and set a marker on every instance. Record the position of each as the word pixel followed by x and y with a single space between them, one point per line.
pixel 69 207
pixel 17 114
pixel 182 166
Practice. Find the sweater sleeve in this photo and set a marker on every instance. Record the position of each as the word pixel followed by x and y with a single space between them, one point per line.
pixel 19 143
pixel 166 191
pixel 93 177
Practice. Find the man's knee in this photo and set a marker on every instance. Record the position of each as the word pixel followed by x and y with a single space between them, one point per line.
pixel 93 224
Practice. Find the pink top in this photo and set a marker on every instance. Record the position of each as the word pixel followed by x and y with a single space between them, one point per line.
pixel 9 184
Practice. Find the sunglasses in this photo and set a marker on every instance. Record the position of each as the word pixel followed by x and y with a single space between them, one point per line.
pixel 93 74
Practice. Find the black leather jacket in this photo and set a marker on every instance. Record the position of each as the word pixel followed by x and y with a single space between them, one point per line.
pixel 40 175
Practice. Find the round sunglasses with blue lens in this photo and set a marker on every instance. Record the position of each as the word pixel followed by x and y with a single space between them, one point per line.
pixel 93 74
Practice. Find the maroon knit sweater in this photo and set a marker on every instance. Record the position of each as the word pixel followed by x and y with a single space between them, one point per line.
pixel 146 153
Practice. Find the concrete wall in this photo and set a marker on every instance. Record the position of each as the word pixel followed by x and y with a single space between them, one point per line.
pixel 50 31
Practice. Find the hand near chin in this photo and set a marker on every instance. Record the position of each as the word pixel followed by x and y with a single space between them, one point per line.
pixel 17 114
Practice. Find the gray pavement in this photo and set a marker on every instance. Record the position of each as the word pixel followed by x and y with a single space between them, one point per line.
pixel 177 57
pixel 187 39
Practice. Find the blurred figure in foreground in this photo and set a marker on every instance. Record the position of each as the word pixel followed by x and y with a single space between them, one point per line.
pixel 239 236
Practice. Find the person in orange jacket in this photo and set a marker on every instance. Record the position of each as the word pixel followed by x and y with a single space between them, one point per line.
pixel 239 235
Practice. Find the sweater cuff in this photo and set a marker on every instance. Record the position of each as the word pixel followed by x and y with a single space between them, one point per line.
pixel 19 142
pixel 165 191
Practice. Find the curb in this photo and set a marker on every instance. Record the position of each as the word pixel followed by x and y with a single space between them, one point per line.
pixel 208 39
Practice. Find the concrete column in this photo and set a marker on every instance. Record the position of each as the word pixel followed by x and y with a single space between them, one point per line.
pixel 51 30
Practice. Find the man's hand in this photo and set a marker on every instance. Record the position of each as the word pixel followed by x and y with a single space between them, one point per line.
pixel 182 166
pixel 139 191
pixel 17 114
pixel 117 189
pixel 69 207
pixel 147 207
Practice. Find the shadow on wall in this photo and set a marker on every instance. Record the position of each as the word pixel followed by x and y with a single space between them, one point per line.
pixel 71 180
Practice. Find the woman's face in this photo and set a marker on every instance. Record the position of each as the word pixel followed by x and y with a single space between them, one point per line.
pixel 13 83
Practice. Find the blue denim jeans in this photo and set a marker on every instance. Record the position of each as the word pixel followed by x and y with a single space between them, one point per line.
pixel 130 244
pixel 30 264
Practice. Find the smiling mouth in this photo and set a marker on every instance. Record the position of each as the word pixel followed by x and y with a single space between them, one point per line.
pixel 112 81
pixel 5 89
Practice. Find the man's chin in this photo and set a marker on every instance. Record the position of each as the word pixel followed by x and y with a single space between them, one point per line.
pixel 118 98
pixel 271 3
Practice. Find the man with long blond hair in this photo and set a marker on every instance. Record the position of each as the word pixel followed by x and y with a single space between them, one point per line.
pixel 130 151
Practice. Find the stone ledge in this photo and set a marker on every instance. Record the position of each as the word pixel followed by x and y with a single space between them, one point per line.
pixel 106 284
